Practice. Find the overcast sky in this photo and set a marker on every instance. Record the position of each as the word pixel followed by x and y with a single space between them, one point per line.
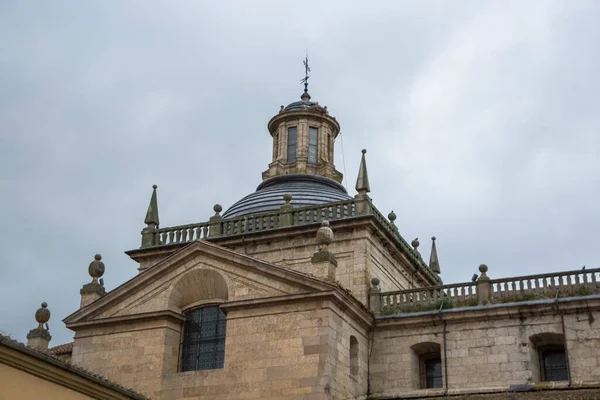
pixel 480 119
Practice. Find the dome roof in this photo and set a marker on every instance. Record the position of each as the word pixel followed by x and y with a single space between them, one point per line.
pixel 306 104
pixel 306 190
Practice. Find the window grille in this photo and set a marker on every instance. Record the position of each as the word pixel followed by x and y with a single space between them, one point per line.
pixel 203 339
pixel 292 144
pixel 313 136
pixel 554 365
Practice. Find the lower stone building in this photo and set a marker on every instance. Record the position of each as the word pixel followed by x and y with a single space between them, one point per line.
pixel 301 291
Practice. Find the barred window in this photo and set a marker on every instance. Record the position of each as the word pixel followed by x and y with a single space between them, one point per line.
pixel 292 144
pixel 203 344
pixel 554 364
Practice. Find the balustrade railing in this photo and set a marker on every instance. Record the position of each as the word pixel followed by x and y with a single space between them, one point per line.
pixel 180 234
pixel 250 223
pixel 428 298
pixel 521 288
pixel 546 285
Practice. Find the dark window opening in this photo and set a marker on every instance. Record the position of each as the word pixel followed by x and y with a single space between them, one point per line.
pixel 433 373
pixel 353 356
pixel 203 344
pixel 313 136
pixel 553 364
pixel 292 144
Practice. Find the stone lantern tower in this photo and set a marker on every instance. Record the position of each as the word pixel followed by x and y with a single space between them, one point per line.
pixel 303 140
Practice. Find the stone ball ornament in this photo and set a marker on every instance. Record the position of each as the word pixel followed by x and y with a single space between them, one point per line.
pixel 375 281
pixel 392 216
pixel 42 315
pixel 324 235
pixel 217 208
pixel 415 243
pixel 96 268
pixel 483 268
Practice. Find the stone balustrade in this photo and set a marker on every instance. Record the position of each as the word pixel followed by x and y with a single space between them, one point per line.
pixel 219 227
pixel 180 234
pixel 433 297
pixel 288 215
pixel 568 283
pixel 484 291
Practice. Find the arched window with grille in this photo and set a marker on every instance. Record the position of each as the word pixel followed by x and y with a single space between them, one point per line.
pixel 548 357
pixel 553 363
pixel 203 345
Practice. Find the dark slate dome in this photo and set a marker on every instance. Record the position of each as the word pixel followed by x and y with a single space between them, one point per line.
pixel 306 190
pixel 306 104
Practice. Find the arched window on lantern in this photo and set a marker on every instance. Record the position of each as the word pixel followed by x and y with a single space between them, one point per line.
pixel 313 141
pixel 292 144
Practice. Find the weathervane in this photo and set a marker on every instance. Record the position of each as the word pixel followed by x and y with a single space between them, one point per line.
pixel 306 71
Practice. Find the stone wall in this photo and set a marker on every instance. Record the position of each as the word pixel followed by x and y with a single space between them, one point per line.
pixel 361 255
pixel 349 248
pixel 492 347
pixel 281 351
pixel 131 354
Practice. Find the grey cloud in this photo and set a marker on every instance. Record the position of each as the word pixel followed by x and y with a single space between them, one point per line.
pixel 479 119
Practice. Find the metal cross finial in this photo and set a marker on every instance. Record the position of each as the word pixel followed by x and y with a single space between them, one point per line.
pixel 306 71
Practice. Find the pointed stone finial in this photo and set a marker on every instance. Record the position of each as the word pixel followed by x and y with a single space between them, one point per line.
pixel 39 337
pixel 434 263
pixel 152 213
pixel 362 182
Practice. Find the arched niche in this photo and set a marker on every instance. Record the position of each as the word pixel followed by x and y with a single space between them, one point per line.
pixel 197 287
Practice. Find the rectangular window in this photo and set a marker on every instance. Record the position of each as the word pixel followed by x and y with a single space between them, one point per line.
pixel 292 144
pixel 433 373
pixel 554 364
pixel 329 155
pixel 313 135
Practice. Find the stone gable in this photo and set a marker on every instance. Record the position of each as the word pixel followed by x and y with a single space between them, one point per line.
pixel 200 272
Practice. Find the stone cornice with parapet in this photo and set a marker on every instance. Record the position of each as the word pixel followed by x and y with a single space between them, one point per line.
pixel 236 229
pixel 299 279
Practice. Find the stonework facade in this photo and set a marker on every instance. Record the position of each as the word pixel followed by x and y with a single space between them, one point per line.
pixel 357 314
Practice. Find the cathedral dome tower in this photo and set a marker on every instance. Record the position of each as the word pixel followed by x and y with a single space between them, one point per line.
pixel 303 149
pixel 302 164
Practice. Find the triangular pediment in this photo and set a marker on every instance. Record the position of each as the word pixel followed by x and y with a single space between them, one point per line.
pixel 200 272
